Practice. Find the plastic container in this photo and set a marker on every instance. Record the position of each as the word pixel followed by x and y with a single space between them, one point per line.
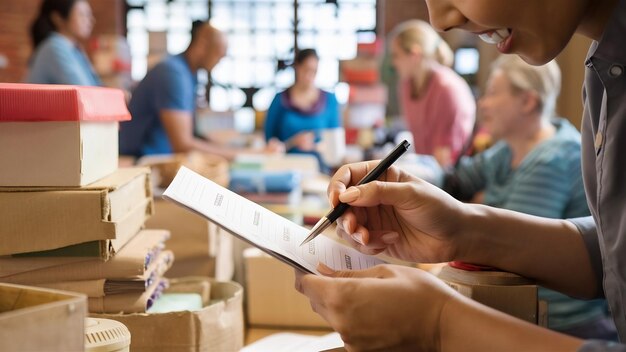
pixel 106 335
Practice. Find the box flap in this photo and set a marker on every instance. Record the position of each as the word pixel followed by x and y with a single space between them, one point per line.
pixel 129 263
pixel 133 302
pixel 36 319
pixel 120 192
pixel 217 327
pixel 50 220
pixel 111 182
pixel 45 102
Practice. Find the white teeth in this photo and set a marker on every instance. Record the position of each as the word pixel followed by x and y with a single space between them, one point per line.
pixel 495 37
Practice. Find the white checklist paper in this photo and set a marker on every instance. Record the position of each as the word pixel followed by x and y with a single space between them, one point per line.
pixel 262 228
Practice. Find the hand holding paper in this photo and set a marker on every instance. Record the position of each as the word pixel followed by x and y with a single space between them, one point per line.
pixel 260 227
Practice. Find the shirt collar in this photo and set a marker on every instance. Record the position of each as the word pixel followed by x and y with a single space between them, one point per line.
pixel 610 48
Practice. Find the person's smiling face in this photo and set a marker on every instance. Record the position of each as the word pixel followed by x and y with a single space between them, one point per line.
pixel 537 30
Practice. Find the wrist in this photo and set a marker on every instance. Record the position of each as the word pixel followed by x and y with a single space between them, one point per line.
pixel 471 240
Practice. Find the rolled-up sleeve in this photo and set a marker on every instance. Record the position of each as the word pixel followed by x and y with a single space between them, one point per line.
pixel 587 228
pixel 601 346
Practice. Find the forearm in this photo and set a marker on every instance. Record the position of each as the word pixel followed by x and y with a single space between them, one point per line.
pixel 465 325
pixel 548 250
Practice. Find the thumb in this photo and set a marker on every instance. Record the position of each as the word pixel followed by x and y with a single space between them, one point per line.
pixel 377 193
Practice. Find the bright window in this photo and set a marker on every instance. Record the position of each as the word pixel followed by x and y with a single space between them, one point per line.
pixel 261 36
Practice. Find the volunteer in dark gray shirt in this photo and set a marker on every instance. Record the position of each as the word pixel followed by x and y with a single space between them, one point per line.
pixel 391 307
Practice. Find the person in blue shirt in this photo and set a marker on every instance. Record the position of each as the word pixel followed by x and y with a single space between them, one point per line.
pixel 57 33
pixel 163 104
pixel 298 115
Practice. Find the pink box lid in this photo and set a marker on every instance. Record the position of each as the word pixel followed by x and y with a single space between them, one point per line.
pixel 21 102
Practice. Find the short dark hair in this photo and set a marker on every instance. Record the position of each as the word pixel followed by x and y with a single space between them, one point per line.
pixel 43 26
pixel 195 28
pixel 304 54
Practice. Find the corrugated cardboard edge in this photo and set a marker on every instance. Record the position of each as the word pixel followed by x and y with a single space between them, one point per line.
pixel 120 232
pixel 57 325
pixel 126 302
pixel 110 183
pixel 110 245
pixel 225 329
pixel 90 268
pixel 134 226
pixel 126 178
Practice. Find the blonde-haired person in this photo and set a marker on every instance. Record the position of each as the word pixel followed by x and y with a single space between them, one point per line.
pixel 533 169
pixel 390 307
pixel 437 104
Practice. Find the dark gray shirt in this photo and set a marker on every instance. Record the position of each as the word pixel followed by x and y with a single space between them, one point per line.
pixel 604 163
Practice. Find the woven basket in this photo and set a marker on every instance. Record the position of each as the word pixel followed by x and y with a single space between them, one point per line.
pixel 213 167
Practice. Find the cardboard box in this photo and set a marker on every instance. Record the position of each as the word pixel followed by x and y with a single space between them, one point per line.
pixel 217 327
pixel 37 319
pixel 506 292
pixel 191 234
pixel 165 166
pixel 109 211
pixel 133 262
pixel 271 299
pixel 199 266
pixel 56 135
pixel 130 302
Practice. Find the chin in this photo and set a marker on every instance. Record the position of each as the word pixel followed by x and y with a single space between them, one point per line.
pixel 538 56
pixel 535 60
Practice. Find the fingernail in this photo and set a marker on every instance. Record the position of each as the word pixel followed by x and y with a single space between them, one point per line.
pixel 390 238
pixel 350 195
pixel 324 270
pixel 358 238
pixel 345 226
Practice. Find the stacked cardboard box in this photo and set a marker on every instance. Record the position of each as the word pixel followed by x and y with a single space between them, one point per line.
pixel 70 218
pixel 216 327
pixel 271 300
pixel 367 99
pixel 36 319
pixel 195 241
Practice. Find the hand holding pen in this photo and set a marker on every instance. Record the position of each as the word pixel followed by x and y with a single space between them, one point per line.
pixel 373 175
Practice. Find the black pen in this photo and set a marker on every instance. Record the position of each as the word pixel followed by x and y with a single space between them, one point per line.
pixel 373 175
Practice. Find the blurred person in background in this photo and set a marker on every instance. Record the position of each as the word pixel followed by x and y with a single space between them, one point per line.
pixel 436 103
pixel 298 115
pixel 534 169
pixel 57 33
pixel 392 307
pixel 164 103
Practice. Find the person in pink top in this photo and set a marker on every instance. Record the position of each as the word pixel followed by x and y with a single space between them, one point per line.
pixel 437 104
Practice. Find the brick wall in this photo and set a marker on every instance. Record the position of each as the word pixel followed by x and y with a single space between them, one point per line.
pixel 16 17
pixel 394 12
